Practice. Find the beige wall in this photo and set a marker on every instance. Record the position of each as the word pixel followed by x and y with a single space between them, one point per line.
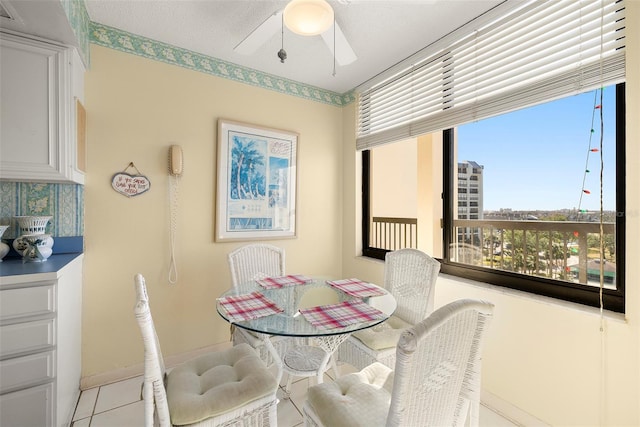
pixel 429 193
pixel 394 184
pixel 410 189
pixel 547 358
pixel 136 108
pixel 542 356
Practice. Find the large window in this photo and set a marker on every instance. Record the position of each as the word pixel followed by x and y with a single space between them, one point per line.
pixel 520 73
pixel 552 197
pixel 522 200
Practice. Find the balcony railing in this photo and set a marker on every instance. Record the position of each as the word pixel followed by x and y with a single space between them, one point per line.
pixel 561 250
pixel 393 233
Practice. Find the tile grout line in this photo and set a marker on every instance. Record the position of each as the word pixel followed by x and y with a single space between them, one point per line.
pixel 95 403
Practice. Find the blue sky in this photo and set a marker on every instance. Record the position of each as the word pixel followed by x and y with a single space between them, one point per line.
pixel 535 159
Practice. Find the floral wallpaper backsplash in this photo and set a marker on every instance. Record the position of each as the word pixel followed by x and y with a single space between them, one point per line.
pixel 64 202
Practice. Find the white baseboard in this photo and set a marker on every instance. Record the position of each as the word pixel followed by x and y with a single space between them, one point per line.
pixel 105 378
pixel 510 411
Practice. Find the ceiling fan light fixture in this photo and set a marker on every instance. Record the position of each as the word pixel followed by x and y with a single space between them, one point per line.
pixel 308 17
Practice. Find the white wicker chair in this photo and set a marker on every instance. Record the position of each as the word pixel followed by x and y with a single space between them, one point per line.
pixel 256 261
pixel 253 262
pixel 410 276
pixel 230 387
pixel 436 381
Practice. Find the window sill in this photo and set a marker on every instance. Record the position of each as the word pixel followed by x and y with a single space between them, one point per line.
pixel 540 299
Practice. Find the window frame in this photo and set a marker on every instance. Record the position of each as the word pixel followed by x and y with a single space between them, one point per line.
pixel 367 250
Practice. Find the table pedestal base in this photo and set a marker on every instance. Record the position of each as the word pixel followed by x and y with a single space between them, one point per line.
pixel 310 360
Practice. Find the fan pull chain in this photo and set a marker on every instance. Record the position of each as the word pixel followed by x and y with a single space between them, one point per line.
pixel 282 54
pixel 334 45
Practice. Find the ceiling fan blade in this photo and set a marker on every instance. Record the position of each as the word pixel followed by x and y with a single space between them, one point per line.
pixel 260 35
pixel 344 54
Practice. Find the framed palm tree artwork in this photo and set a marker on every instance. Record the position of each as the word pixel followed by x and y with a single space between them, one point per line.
pixel 257 181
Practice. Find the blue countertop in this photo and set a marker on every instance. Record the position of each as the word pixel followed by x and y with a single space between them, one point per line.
pixel 65 250
pixel 55 263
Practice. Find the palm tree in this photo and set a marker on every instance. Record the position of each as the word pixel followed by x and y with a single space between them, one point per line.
pixel 244 158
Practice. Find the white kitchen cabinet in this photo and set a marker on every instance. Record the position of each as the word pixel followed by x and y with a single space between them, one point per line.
pixel 40 346
pixel 40 82
pixel 38 399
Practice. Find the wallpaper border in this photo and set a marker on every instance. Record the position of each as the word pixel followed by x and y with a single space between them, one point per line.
pixel 80 23
pixel 103 35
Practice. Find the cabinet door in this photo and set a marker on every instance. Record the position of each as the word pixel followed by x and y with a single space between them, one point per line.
pixel 29 300
pixel 22 338
pixel 77 141
pixel 25 371
pixel 30 407
pixel 33 83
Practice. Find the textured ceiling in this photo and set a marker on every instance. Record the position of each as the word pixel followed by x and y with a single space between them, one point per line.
pixel 381 33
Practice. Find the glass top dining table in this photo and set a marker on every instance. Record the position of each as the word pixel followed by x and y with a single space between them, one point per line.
pixel 292 298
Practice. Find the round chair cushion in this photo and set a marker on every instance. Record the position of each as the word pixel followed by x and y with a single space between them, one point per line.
pixel 359 399
pixel 217 383
pixel 384 335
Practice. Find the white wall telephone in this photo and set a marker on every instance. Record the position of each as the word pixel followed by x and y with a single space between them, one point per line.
pixel 175 160
pixel 176 168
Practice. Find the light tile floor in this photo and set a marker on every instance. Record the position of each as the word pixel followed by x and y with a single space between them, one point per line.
pixel 120 405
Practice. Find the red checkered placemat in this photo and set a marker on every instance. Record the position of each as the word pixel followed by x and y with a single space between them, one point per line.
pixel 282 281
pixel 356 288
pixel 341 314
pixel 248 306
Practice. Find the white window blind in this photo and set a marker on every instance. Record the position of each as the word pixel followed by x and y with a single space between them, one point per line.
pixel 519 55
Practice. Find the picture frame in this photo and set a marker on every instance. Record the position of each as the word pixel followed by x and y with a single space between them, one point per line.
pixel 256 182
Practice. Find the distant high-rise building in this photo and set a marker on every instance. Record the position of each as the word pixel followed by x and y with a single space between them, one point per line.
pixel 470 204
pixel 470 195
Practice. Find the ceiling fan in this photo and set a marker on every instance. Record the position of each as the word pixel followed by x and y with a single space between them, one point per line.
pixel 304 17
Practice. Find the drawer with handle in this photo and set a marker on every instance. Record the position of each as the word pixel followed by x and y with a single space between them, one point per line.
pixel 28 337
pixel 33 406
pixel 26 371
pixel 20 302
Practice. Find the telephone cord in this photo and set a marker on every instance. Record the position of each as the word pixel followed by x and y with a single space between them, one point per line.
pixel 173 200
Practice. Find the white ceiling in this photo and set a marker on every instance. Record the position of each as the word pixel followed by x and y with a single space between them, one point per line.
pixel 381 32
pixel 42 18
